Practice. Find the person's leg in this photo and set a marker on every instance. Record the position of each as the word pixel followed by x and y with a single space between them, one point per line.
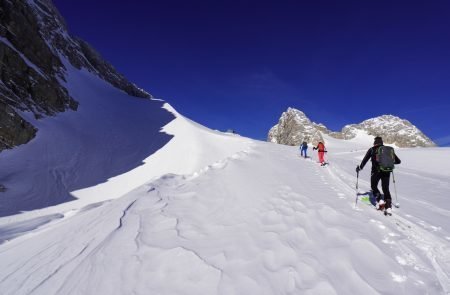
pixel 305 152
pixel 321 157
pixel 385 178
pixel 374 179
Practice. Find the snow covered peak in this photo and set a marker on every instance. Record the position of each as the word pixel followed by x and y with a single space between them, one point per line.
pixel 294 127
pixel 392 129
pixel 295 114
pixel 295 111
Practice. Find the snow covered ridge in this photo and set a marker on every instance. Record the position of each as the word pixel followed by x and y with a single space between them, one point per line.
pixel 295 127
pixel 33 43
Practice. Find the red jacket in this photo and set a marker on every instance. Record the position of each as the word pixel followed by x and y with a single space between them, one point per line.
pixel 320 147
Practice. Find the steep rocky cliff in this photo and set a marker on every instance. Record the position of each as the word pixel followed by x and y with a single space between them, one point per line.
pixel 33 43
pixel 294 127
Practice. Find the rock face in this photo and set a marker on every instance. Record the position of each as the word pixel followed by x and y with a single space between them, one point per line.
pixel 392 129
pixel 33 38
pixel 295 127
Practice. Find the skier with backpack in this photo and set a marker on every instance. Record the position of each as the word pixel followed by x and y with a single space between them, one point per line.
pixel 321 152
pixel 303 149
pixel 383 160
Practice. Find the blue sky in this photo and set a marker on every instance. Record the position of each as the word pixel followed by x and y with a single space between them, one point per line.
pixel 240 64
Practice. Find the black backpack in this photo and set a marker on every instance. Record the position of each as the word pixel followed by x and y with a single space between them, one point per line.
pixel 385 157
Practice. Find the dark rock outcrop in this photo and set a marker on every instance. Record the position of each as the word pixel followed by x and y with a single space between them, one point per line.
pixel 33 38
pixel 13 129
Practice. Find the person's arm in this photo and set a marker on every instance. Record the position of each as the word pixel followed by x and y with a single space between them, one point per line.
pixel 366 158
pixel 397 159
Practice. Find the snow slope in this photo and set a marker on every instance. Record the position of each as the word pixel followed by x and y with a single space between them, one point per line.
pixel 91 155
pixel 212 213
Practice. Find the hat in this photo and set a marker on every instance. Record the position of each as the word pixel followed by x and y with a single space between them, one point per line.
pixel 378 141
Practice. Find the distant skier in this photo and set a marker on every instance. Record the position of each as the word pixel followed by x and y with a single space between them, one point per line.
pixel 383 160
pixel 321 152
pixel 303 149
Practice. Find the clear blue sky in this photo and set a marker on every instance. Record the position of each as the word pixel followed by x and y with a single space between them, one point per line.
pixel 240 64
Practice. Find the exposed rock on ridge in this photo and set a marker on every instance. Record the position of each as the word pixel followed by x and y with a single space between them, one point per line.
pixel 392 129
pixel 295 127
pixel 33 36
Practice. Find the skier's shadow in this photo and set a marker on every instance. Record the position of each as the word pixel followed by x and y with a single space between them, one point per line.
pixel 372 198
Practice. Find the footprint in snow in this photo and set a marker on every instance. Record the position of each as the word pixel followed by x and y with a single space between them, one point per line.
pixel 398 278
pixel 341 195
pixel 409 259
pixel 386 240
pixel 291 280
pixel 378 223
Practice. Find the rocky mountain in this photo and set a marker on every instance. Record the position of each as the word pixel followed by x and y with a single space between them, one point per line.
pixel 294 127
pixel 394 130
pixel 34 42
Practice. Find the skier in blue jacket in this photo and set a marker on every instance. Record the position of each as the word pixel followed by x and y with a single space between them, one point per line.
pixel 303 149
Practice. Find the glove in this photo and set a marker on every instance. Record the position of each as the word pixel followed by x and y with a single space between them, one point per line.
pixel 358 168
pixel 314 148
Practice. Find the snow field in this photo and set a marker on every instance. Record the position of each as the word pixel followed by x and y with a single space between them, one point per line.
pixel 262 221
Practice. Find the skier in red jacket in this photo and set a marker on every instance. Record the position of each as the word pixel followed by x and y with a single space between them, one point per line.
pixel 321 152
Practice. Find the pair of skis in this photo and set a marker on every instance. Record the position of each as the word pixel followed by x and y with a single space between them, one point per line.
pixel 369 202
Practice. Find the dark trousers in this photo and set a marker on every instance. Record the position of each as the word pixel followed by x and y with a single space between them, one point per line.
pixel 303 150
pixel 385 178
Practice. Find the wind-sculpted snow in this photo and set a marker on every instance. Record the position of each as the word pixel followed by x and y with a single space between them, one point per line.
pixel 8 232
pixel 110 134
pixel 260 221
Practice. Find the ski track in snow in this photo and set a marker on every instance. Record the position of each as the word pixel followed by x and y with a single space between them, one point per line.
pixel 418 235
pixel 227 229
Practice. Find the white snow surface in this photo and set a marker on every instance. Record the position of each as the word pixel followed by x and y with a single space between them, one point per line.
pixel 214 213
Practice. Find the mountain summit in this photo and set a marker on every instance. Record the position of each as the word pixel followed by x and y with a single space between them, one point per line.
pixel 295 127
pixel 394 130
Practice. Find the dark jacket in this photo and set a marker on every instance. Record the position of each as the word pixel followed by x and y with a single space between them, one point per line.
pixel 371 155
pixel 320 147
pixel 304 145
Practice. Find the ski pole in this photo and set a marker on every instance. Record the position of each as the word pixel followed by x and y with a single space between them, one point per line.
pixel 397 205
pixel 357 178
